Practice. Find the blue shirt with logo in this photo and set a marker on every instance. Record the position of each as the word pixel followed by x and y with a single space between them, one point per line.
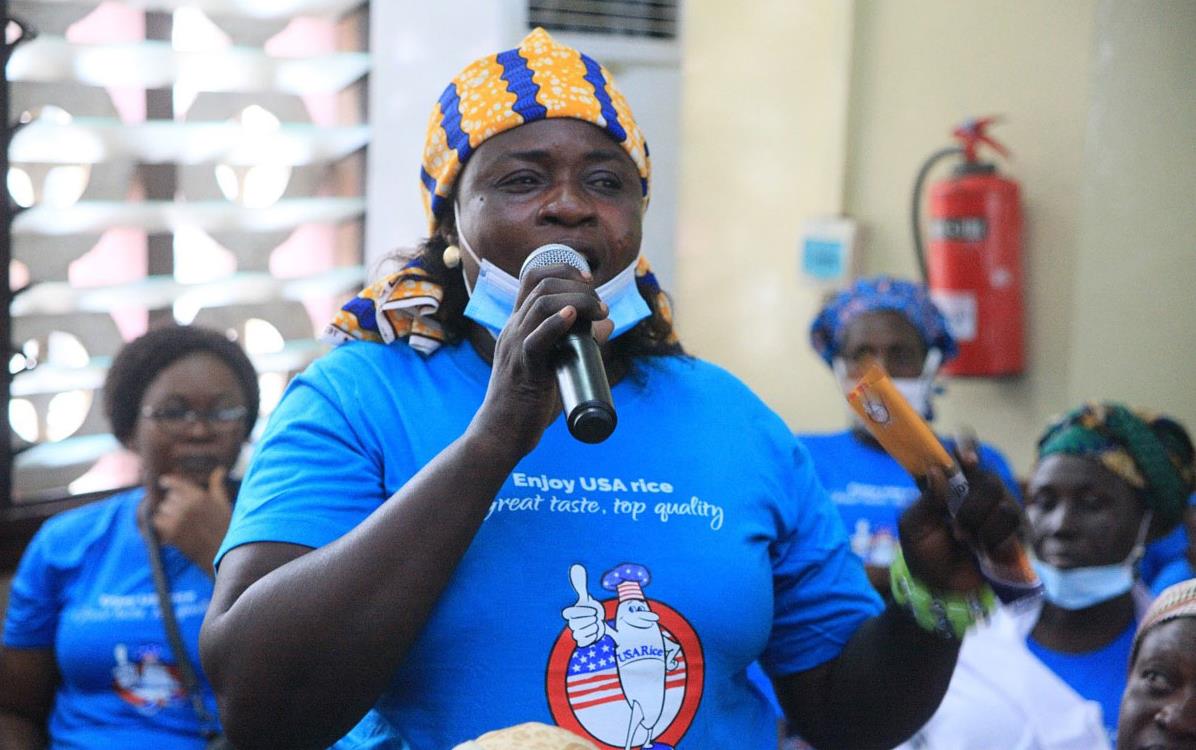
pixel 870 489
pixel 698 528
pixel 84 590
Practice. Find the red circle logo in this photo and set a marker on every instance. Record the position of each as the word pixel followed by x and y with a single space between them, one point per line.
pixel 598 691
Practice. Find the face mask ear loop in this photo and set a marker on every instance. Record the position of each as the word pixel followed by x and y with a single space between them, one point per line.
pixel 930 371
pixel 934 360
pixel 464 245
pixel 1139 550
pixel 839 368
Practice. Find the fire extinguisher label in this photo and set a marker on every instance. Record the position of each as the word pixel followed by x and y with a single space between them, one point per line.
pixel 959 229
pixel 960 310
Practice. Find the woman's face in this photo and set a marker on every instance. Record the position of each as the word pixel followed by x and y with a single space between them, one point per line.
pixel 186 425
pixel 1158 709
pixel 1081 514
pixel 885 336
pixel 556 180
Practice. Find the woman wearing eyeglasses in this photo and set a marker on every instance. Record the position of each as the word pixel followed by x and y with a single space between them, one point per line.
pixel 88 659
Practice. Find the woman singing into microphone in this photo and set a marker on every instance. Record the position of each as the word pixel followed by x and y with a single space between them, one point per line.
pixel 394 578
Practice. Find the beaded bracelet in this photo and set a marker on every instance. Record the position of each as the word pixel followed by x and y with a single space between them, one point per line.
pixel 946 614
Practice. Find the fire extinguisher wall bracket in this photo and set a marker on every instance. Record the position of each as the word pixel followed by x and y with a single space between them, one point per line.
pixel 973 261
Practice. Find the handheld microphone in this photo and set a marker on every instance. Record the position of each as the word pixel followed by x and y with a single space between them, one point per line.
pixel 580 375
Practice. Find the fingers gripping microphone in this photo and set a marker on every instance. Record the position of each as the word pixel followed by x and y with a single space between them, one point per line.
pixel 580 376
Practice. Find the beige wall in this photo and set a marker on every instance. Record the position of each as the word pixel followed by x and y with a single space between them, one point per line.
pixel 773 132
pixel 764 113
pixel 1136 279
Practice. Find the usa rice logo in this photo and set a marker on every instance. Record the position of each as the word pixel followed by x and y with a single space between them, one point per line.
pixel 145 681
pixel 626 671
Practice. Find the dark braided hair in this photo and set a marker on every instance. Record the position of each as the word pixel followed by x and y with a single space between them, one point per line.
pixel 140 361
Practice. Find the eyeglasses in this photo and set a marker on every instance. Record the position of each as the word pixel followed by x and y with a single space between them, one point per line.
pixel 180 419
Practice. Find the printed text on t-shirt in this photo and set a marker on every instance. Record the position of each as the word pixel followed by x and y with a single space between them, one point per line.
pixel 630 501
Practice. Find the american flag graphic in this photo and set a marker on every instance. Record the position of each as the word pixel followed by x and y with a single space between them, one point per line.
pixel 596 695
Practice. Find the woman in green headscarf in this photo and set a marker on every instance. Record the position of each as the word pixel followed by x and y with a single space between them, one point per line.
pixel 1108 479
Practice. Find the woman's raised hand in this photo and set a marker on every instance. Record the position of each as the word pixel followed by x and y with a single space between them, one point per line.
pixel 191 517
pixel 522 398
pixel 939 549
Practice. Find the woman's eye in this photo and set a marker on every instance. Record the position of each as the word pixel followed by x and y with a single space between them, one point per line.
pixel 860 355
pixel 606 181
pixel 519 180
pixel 1156 681
pixel 1042 502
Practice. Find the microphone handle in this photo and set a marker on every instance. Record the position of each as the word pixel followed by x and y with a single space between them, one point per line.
pixel 585 392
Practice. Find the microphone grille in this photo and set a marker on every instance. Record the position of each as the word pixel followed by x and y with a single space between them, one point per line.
pixel 552 254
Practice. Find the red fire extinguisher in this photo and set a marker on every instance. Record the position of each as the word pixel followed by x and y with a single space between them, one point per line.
pixel 974 269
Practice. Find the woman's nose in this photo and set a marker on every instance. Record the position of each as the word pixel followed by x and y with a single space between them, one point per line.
pixel 199 428
pixel 567 204
pixel 1179 715
pixel 1059 521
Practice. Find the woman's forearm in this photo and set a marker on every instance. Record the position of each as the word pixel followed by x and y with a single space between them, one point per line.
pixel 886 683
pixel 299 653
pixel 20 732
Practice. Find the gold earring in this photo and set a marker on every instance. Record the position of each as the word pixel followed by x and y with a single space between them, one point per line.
pixel 451 256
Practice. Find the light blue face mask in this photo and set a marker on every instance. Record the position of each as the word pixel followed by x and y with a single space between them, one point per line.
pixel 1080 588
pixel 492 298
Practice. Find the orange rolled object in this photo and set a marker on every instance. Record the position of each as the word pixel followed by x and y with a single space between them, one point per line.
pixel 902 432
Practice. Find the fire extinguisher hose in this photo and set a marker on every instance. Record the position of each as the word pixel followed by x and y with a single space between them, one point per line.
pixel 916 205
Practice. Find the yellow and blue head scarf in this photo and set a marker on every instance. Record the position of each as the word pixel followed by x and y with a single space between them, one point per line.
pixel 1150 452
pixel 537 80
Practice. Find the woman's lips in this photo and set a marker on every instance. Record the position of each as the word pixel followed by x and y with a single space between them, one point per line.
pixel 197 466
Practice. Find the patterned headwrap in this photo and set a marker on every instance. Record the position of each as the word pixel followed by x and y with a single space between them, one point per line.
pixel 538 79
pixel 1150 452
pixel 1177 600
pixel 875 294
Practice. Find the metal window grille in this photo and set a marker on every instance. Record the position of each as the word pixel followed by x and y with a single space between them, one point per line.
pixel 194 160
pixel 655 19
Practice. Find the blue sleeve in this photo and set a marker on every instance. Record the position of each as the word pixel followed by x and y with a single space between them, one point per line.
pixel 821 592
pixel 992 460
pixel 1171 573
pixel 1162 554
pixel 313 477
pixel 31 620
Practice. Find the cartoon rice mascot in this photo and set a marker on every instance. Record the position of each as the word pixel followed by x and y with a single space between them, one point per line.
pixel 643 655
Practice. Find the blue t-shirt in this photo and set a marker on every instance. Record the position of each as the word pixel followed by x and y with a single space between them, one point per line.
pixel 1097 675
pixel 871 489
pixel 701 507
pixel 84 589
pixel 1166 560
pixel 1172 573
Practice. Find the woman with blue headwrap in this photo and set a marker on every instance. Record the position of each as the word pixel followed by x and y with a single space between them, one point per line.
pixel 893 322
